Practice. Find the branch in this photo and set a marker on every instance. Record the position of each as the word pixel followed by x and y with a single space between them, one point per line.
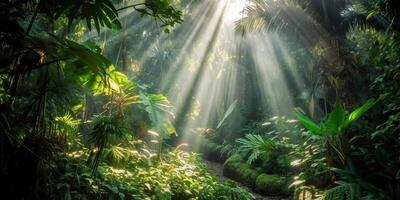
pixel 47 63
pixel 131 6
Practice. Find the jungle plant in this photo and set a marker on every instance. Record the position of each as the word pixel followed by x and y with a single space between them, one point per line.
pixel 229 190
pixel 347 191
pixel 353 186
pixel 311 163
pixel 43 76
pixel 105 130
pixel 332 130
pixel 254 147
pixel 159 112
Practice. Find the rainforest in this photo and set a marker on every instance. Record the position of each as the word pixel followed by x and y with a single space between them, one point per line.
pixel 200 99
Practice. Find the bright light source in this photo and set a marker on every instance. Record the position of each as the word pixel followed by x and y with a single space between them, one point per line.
pixel 234 10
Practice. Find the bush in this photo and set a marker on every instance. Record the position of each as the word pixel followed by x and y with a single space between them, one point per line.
pixel 210 150
pixel 178 175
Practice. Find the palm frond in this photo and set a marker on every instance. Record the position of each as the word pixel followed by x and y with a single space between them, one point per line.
pixel 104 128
pixel 271 16
pixel 345 191
pixel 254 147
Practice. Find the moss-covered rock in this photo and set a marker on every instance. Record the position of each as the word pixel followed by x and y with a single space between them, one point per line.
pixel 271 184
pixel 322 180
pixel 278 162
pixel 241 172
pixel 209 150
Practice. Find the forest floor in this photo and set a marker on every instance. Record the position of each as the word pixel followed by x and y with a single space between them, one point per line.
pixel 216 168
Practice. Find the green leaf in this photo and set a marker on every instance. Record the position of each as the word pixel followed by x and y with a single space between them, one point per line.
pixel 335 119
pixel 227 113
pixel 96 23
pixel 314 128
pixel 371 15
pixel 116 24
pixel 157 108
pixel 105 19
pixel 110 13
pixel 357 113
pixel 88 23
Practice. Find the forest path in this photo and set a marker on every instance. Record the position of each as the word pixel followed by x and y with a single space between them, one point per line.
pixel 216 168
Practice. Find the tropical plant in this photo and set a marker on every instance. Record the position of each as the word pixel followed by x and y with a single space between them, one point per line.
pixel 162 10
pixel 105 130
pixel 311 163
pixel 254 147
pixel 229 190
pixel 99 12
pixel 159 112
pixel 333 129
pixel 337 121
pixel 178 176
pixel 345 191
pixel 353 186
pixel 373 144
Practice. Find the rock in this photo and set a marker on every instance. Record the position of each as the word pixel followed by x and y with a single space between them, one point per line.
pixel 209 150
pixel 241 172
pixel 278 163
pixel 271 184
pixel 217 169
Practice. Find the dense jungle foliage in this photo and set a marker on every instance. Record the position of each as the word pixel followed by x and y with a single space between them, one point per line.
pixel 127 99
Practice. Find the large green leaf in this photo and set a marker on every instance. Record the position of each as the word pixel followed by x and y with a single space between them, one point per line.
pixel 99 12
pixel 159 110
pixel 357 113
pixel 335 120
pixel 314 128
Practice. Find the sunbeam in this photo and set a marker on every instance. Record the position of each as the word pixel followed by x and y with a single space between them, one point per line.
pixel 205 77
pixel 212 66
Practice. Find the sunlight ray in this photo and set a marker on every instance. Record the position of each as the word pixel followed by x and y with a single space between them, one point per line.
pixel 271 81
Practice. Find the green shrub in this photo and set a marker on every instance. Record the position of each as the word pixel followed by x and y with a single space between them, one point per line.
pixel 178 175
pixel 230 190
pixel 209 150
pixel 345 191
